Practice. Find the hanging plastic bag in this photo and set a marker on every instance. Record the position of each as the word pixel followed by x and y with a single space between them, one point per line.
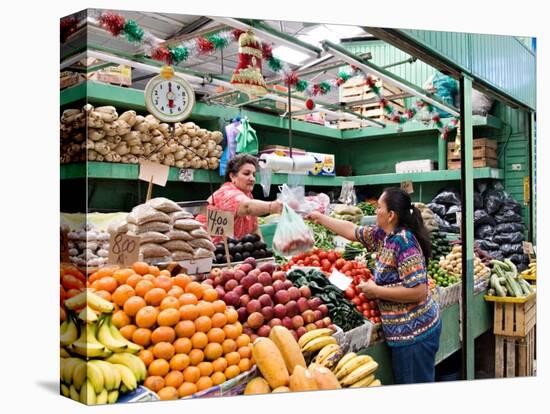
pixel 231 132
pixel 347 195
pixel 247 141
pixel 292 196
pixel 292 236
pixel 266 175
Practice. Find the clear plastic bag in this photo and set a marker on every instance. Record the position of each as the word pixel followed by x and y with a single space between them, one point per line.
pixel 347 195
pixel 296 199
pixel 292 236
pixel 265 180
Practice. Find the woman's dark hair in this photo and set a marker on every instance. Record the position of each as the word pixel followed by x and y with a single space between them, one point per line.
pixel 409 216
pixel 235 164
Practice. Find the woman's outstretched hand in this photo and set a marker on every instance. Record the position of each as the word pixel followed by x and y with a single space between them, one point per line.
pixel 369 288
pixel 315 216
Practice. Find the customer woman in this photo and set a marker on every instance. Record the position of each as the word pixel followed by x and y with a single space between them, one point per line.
pixel 409 315
pixel 235 196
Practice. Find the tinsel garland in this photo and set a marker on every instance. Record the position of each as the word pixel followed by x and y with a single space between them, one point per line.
pixel 67 27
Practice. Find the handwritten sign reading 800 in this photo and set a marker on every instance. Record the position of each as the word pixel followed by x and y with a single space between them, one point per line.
pixel 220 223
pixel 124 249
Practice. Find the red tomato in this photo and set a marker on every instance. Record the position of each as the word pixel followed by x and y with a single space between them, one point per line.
pixel 323 255
pixel 71 282
pixel 346 267
pixel 339 263
pixel 332 256
pixel 377 319
pixel 365 307
pixel 364 298
pixel 314 257
pixel 300 262
pixel 372 304
pixel 366 314
pixel 315 263
pixel 325 263
pixel 350 293
pixel 356 301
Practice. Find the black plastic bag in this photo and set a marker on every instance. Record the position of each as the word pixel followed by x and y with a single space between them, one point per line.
pixel 518 258
pixel 481 186
pixel 497 255
pixel 446 197
pixel 481 217
pixel 521 267
pixel 451 214
pixel 444 225
pixel 485 231
pixel 487 245
pixel 455 228
pixel 438 209
pixel 509 228
pixel 508 238
pixel 492 201
pixel 508 249
pixel 508 217
pixel 478 201
pixel 510 204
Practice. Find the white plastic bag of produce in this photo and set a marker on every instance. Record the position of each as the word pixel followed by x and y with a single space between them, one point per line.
pixel 292 236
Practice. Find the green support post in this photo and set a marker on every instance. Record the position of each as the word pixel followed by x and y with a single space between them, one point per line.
pixel 532 179
pixel 467 227
pixel 441 153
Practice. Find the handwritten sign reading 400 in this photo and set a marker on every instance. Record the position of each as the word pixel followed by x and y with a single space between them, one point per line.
pixel 123 249
pixel 220 223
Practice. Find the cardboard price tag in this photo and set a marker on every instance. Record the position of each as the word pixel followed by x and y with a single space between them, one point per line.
pixel 340 280
pixel 124 249
pixel 528 247
pixel 159 172
pixel 220 223
pixel 64 246
pixel 187 175
pixel 407 186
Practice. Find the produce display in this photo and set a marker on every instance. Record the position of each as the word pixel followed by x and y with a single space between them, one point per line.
pixel 452 263
pixel 440 276
pixel 322 236
pixel 97 361
pixel 427 216
pixel 249 245
pixel 531 272
pixel 367 208
pixel 71 282
pixel 440 245
pixel 505 281
pixel 369 308
pixel 264 298
pixel 130 138
pixel 347 213
pixel 88 247
pixel 342 312
pixel 191 340
pixel 353 250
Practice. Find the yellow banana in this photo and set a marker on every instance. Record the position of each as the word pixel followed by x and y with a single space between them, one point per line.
pixel 68 366
pixel 134 363
pixel 133 348
pixel 108 373
pixel 73 393
pixel 87 344
pixel 363 382
pixel 375 383
pixel 353 364
pixel 128 377
pixel 113 397
pixel 87 394
pixel 123 389
pixel 65 391
pixel 98 303
pixel 88 315
pixel 102 397
pixel 95 377
pixel 70 334
pixel 315 333
pixel 63 353
pixel 325 352
pixel 330 361
pixel 77 301
pixel 63 326
pixel 344 360
pixel 106 338
pixel 359 373
pixel 79 374
pixel 318 343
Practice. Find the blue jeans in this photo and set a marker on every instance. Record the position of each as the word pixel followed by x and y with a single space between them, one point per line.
pixel 416 363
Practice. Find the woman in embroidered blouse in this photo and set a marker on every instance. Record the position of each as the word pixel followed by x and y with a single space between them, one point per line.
pixel 409 315
pixel 235 196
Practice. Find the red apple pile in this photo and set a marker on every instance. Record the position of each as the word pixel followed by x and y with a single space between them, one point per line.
pixel 265 298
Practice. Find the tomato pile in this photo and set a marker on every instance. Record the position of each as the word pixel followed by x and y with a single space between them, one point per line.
pixel 369 308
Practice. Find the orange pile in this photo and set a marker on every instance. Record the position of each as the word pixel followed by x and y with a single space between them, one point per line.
pixel 191 340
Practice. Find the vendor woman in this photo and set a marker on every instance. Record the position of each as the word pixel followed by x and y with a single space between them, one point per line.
pixel 235 196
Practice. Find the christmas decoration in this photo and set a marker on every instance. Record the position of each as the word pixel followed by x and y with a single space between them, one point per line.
pixel 248 74
pixel 67 27
pixel 310 104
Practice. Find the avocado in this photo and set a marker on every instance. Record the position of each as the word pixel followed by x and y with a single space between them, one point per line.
pixel 220 249
pixel 220 258
pixel 238 248
pixel 269 253
pixel 256 254
pixel 238 257
pixel 245 254
pixel 248 246
pixel 250 238
pixel 232 240
pixel 259 245
pixel 261 253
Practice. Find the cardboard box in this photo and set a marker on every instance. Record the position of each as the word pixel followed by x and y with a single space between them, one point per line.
pixel 414 166
pixel 325 164
pixel 116 75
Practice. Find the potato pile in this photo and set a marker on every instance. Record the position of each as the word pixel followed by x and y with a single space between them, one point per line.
pixel 427 217
pixel 131 138
pixel 452 263
pixel 88 246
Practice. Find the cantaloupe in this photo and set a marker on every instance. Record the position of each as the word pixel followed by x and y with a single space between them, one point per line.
pixel 302 380
pixel 325 378
pixel 257 385
pixel 270 362
pixel 289 348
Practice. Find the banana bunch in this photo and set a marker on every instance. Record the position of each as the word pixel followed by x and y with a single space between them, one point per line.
pixel 356 371
pixel 531 272
pixel 329 356
pixel 316 339
pixel 100 381
pixel 90 305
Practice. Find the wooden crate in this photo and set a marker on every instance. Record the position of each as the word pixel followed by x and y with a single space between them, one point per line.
pixel 515 356
pixel 484 154
pixel 515 319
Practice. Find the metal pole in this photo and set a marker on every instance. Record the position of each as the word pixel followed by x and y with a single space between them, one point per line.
pixel 290 121
pixel 532 179
pixel 467 226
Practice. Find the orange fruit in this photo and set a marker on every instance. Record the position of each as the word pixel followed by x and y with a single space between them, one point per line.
pixel 168 317
pixel 203 324
pixel 217 378
pixel 170 302
pixel 244 364
pixel 164 350
pixel 133 305
pixel 107 283
pixel 219 320
pixel 163 334
pixel 185 329
pixel 245 351
pixel 146 317
pixel 196 356
pixel 188 298
pixel 231 315
pixel 213 351
pixel 205 308
pixel 104 294
pixel 232 371
pixel 146 356
pixel 242 340
pixel 154 296
pixel 179 362
pixel 140 268
pixel 168 393
pixel 121 275
pixel 174 379
pixel 159 367
pixel 216 335
pixel 165 272
pixel 229 345
pixel 183 345
pixel 232 358
pixel 195 288
pixel 104 271
pixel 122 294
pixel 209 295
pixel 127 331
pixel 186 389
pixel 231 331
pixel 142 336
pixel 120 319
pixel 219 306
pixel 191 374
pixel 199 340
pixel 189 312
pixel 163 282
pixel 155 383
pixel 181 280
pixel 149 277
pixel 206 368
pixel 204 383
pixel 219 364
pixel 133 280
pixel 175 291
pixel 143 286
pixel 153 270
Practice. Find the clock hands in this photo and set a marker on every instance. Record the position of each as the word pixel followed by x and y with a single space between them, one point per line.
pixel 170 96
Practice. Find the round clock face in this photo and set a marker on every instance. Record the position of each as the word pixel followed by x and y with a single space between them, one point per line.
pixel 170 100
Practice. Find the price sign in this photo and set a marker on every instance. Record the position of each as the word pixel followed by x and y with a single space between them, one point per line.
pixel 158 172
pixel 220 223
pixel 64 246
pixel 407 186
pixel 124 249
pixel 339 280
pixel 528 247
pixel 186 175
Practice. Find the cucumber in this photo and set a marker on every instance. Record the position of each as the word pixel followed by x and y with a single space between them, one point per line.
pixel 512 267
pixel 514 289
pixel 498 263
pixel 527 288
pixel 497 286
